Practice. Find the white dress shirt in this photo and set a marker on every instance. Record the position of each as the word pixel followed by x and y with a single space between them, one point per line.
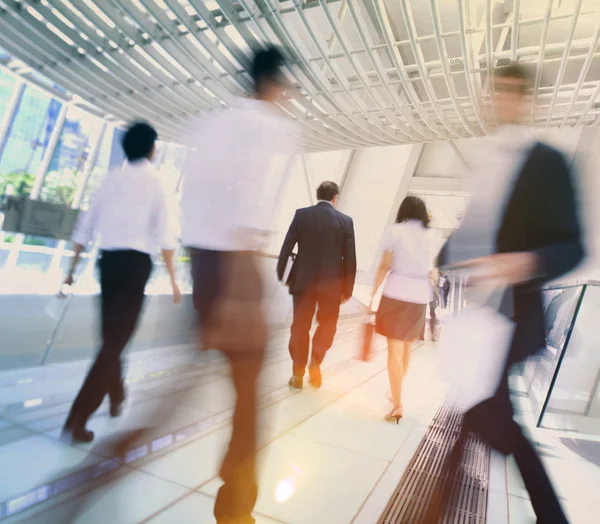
pixel 495 165
pixel 234 175
pixel 128 211
pixel 413 248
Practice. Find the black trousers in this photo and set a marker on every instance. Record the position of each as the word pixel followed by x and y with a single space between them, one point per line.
pixel 237 497
pixel 492 420
pixel 123 278
pixel 328 311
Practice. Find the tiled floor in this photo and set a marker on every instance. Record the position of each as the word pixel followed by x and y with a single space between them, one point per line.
pixel 327 456
pixel 575 477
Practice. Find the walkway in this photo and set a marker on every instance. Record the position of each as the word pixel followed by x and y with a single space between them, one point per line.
pixel 327 455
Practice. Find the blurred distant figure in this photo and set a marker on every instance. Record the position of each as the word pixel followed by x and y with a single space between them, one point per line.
pixel 444 290
pixel 129 213
pixel 521 231
pixel 408 255
pixel 321 279
pixel 228 198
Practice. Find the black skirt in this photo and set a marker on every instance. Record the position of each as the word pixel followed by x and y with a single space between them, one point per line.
pixel 400 320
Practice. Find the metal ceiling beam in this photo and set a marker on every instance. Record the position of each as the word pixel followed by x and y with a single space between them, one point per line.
pixel 563 62
pixel 163 60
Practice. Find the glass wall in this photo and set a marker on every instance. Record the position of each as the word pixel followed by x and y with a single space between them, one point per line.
pixel 7 85
pixel 80 131
pixel 573 397
pixel 68 164
pixel 26 141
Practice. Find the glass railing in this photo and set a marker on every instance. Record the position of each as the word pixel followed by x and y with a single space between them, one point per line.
pixel 562 381
pixel 32 337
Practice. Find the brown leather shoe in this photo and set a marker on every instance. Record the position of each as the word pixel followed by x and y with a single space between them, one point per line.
pixel 316 379
pixel 296 382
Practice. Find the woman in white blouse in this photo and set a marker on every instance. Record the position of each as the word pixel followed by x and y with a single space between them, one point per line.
pixel 408 253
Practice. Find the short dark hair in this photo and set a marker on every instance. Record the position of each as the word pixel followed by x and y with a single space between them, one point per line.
pixel 413 208
pixel 266 66
pixel 328 191
pixel 515 71
pixel 138 141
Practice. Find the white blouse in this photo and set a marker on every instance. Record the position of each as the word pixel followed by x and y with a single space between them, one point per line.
pixel 413 248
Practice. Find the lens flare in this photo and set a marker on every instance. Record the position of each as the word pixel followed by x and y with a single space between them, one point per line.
pixel 285 489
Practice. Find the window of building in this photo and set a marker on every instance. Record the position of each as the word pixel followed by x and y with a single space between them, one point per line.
pixel 7 86
pixel 67 168
pixel 27 140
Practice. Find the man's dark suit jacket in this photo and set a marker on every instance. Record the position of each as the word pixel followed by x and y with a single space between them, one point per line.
pixel 326 259
pixel 541 217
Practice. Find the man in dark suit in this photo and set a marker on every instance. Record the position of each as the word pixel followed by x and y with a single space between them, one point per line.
pixel 535 238
pixel 321 279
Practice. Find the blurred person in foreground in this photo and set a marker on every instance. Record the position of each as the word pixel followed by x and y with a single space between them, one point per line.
pixel 321 279
pixel 129 214
pixel 228 199
pixel 408 254
pixel 521 231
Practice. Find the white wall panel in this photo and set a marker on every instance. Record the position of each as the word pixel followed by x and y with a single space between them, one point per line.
pixel 294 195
pixel 329 165
pixel 376 183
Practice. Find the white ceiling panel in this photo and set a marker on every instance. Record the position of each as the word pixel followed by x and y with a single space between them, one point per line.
pixel 369 72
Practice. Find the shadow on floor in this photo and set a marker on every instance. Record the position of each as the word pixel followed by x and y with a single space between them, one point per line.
pixel 588 449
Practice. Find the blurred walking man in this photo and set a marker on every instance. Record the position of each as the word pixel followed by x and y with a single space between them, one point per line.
pixel 129 213
pixel 519 237
pixel 227 205
pixel 321 279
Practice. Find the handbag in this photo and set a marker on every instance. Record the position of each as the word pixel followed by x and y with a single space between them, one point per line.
pixel 474 350
pixel 369 331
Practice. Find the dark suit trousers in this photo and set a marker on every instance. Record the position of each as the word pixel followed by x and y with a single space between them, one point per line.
pixel 237 497
pixel 328 311
pixel 492 420
pixel 123 278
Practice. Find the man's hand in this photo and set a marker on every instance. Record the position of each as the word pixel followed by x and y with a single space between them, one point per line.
pixel 69 280
pixel 505 268
pixel 346 299
pixel 176 293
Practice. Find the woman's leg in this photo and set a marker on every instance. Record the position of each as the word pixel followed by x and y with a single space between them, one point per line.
pixel 406 354
pixel 396 370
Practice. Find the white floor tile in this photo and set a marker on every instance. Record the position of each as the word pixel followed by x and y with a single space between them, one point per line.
pixel 497 472
pixel 34 461
pixel 497 508
pixel 514 479
pixel 193 464
pixel 410 446
pixel 127 500
pixel 377 501
pixel 304 481
pixel 198 461
pixel 293 410
pixel 214 396
pixel 520 511
pixel 360 430
pixel 11 433
pixel 194 509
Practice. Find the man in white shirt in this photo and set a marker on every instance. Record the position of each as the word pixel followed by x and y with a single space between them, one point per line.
pixel 228 196
pixel 129 214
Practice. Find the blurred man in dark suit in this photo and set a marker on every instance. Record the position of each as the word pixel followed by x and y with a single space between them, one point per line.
pixel 515 238
pixel 321 279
